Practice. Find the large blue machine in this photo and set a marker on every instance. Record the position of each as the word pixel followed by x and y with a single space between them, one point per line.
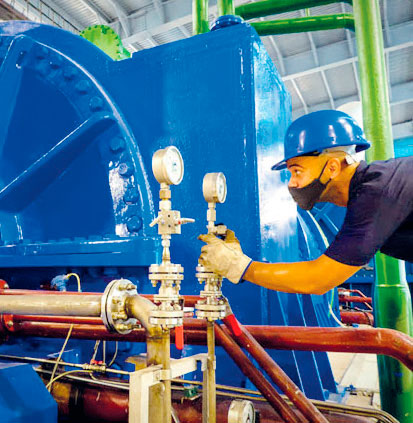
pixel 77 134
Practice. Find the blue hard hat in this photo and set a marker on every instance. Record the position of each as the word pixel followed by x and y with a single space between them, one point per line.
pixel 317 131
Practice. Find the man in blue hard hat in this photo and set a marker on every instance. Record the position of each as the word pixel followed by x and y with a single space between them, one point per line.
pixel 319 154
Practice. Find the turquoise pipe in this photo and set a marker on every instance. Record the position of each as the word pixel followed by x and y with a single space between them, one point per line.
pixel 225 7
pixel 272 7
pixel 200 17
pixel 392 302
pixel 305 24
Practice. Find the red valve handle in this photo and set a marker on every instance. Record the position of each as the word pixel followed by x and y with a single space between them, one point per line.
pixel 179 337
pixel 233 324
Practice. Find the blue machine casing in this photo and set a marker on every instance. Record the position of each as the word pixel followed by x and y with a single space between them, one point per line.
pixel 77 134
pixel 23 396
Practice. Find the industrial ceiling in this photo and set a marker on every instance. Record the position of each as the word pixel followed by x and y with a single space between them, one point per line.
pixel 318 68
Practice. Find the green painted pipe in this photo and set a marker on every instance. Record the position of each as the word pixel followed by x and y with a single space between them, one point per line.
pixel 272 7
pixel 311 23
pixel 225 7
pixel 391 295
pixel 200 17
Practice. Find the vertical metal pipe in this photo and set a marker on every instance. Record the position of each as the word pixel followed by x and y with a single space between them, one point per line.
pixel 211 388
pixel 166 363
pixel 158 352
pixel 225 7
pixel 392 298
pixel 199 17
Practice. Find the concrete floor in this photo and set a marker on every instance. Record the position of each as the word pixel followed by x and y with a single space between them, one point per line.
pixel 360 371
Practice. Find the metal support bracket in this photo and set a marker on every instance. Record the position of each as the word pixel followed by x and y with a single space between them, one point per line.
pixel 141 380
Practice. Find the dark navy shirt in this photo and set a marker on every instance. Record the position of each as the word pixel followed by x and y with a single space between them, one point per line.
pixel 379 213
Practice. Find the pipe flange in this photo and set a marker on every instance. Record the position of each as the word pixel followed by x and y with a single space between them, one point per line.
pixel 203 273
pixel 210 311
pixel 167 318
pixel 209 315
pixel 241 412
pixel 113 311
pixel 166 322
pixel 166 268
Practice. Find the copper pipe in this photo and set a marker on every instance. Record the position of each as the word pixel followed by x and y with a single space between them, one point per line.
pixel 353 340
pixel 341 291
pixel 59 319
pixel 354 299
pixel 277 375
pixel 255 376
pixel 357 317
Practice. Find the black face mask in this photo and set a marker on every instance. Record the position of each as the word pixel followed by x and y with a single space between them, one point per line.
pixel 307 196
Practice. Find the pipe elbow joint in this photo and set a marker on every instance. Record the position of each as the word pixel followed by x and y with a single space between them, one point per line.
pixel 140 308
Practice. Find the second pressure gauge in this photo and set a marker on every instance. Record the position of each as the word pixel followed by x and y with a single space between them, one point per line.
pixel 168 166
pixel 214 187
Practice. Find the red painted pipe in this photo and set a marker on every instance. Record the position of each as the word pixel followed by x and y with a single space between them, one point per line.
pixel 59 319
pixel 255 376
pixel 278 376
pixel 342 291
pixel 355 340
pixel 357 317
pixel 354 299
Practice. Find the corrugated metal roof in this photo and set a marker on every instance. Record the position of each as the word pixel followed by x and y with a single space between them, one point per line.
pixel 341 81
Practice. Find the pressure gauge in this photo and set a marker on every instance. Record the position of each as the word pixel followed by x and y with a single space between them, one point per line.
pixel 168 166
pixel 214 187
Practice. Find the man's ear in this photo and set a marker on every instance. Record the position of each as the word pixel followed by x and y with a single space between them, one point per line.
pixel 333 167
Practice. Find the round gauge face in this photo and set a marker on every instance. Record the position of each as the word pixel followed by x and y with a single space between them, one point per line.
pixel 214 187
pixel 221 187
pixel 174 165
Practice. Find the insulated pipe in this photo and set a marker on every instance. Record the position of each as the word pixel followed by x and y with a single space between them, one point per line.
pixel 352 340
pixel 272 7
pixel 278 376
pixel 305 24
pixel 357 317
pixel 255 376
pixel 392 301
pixel 86 306
pixel 108 404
